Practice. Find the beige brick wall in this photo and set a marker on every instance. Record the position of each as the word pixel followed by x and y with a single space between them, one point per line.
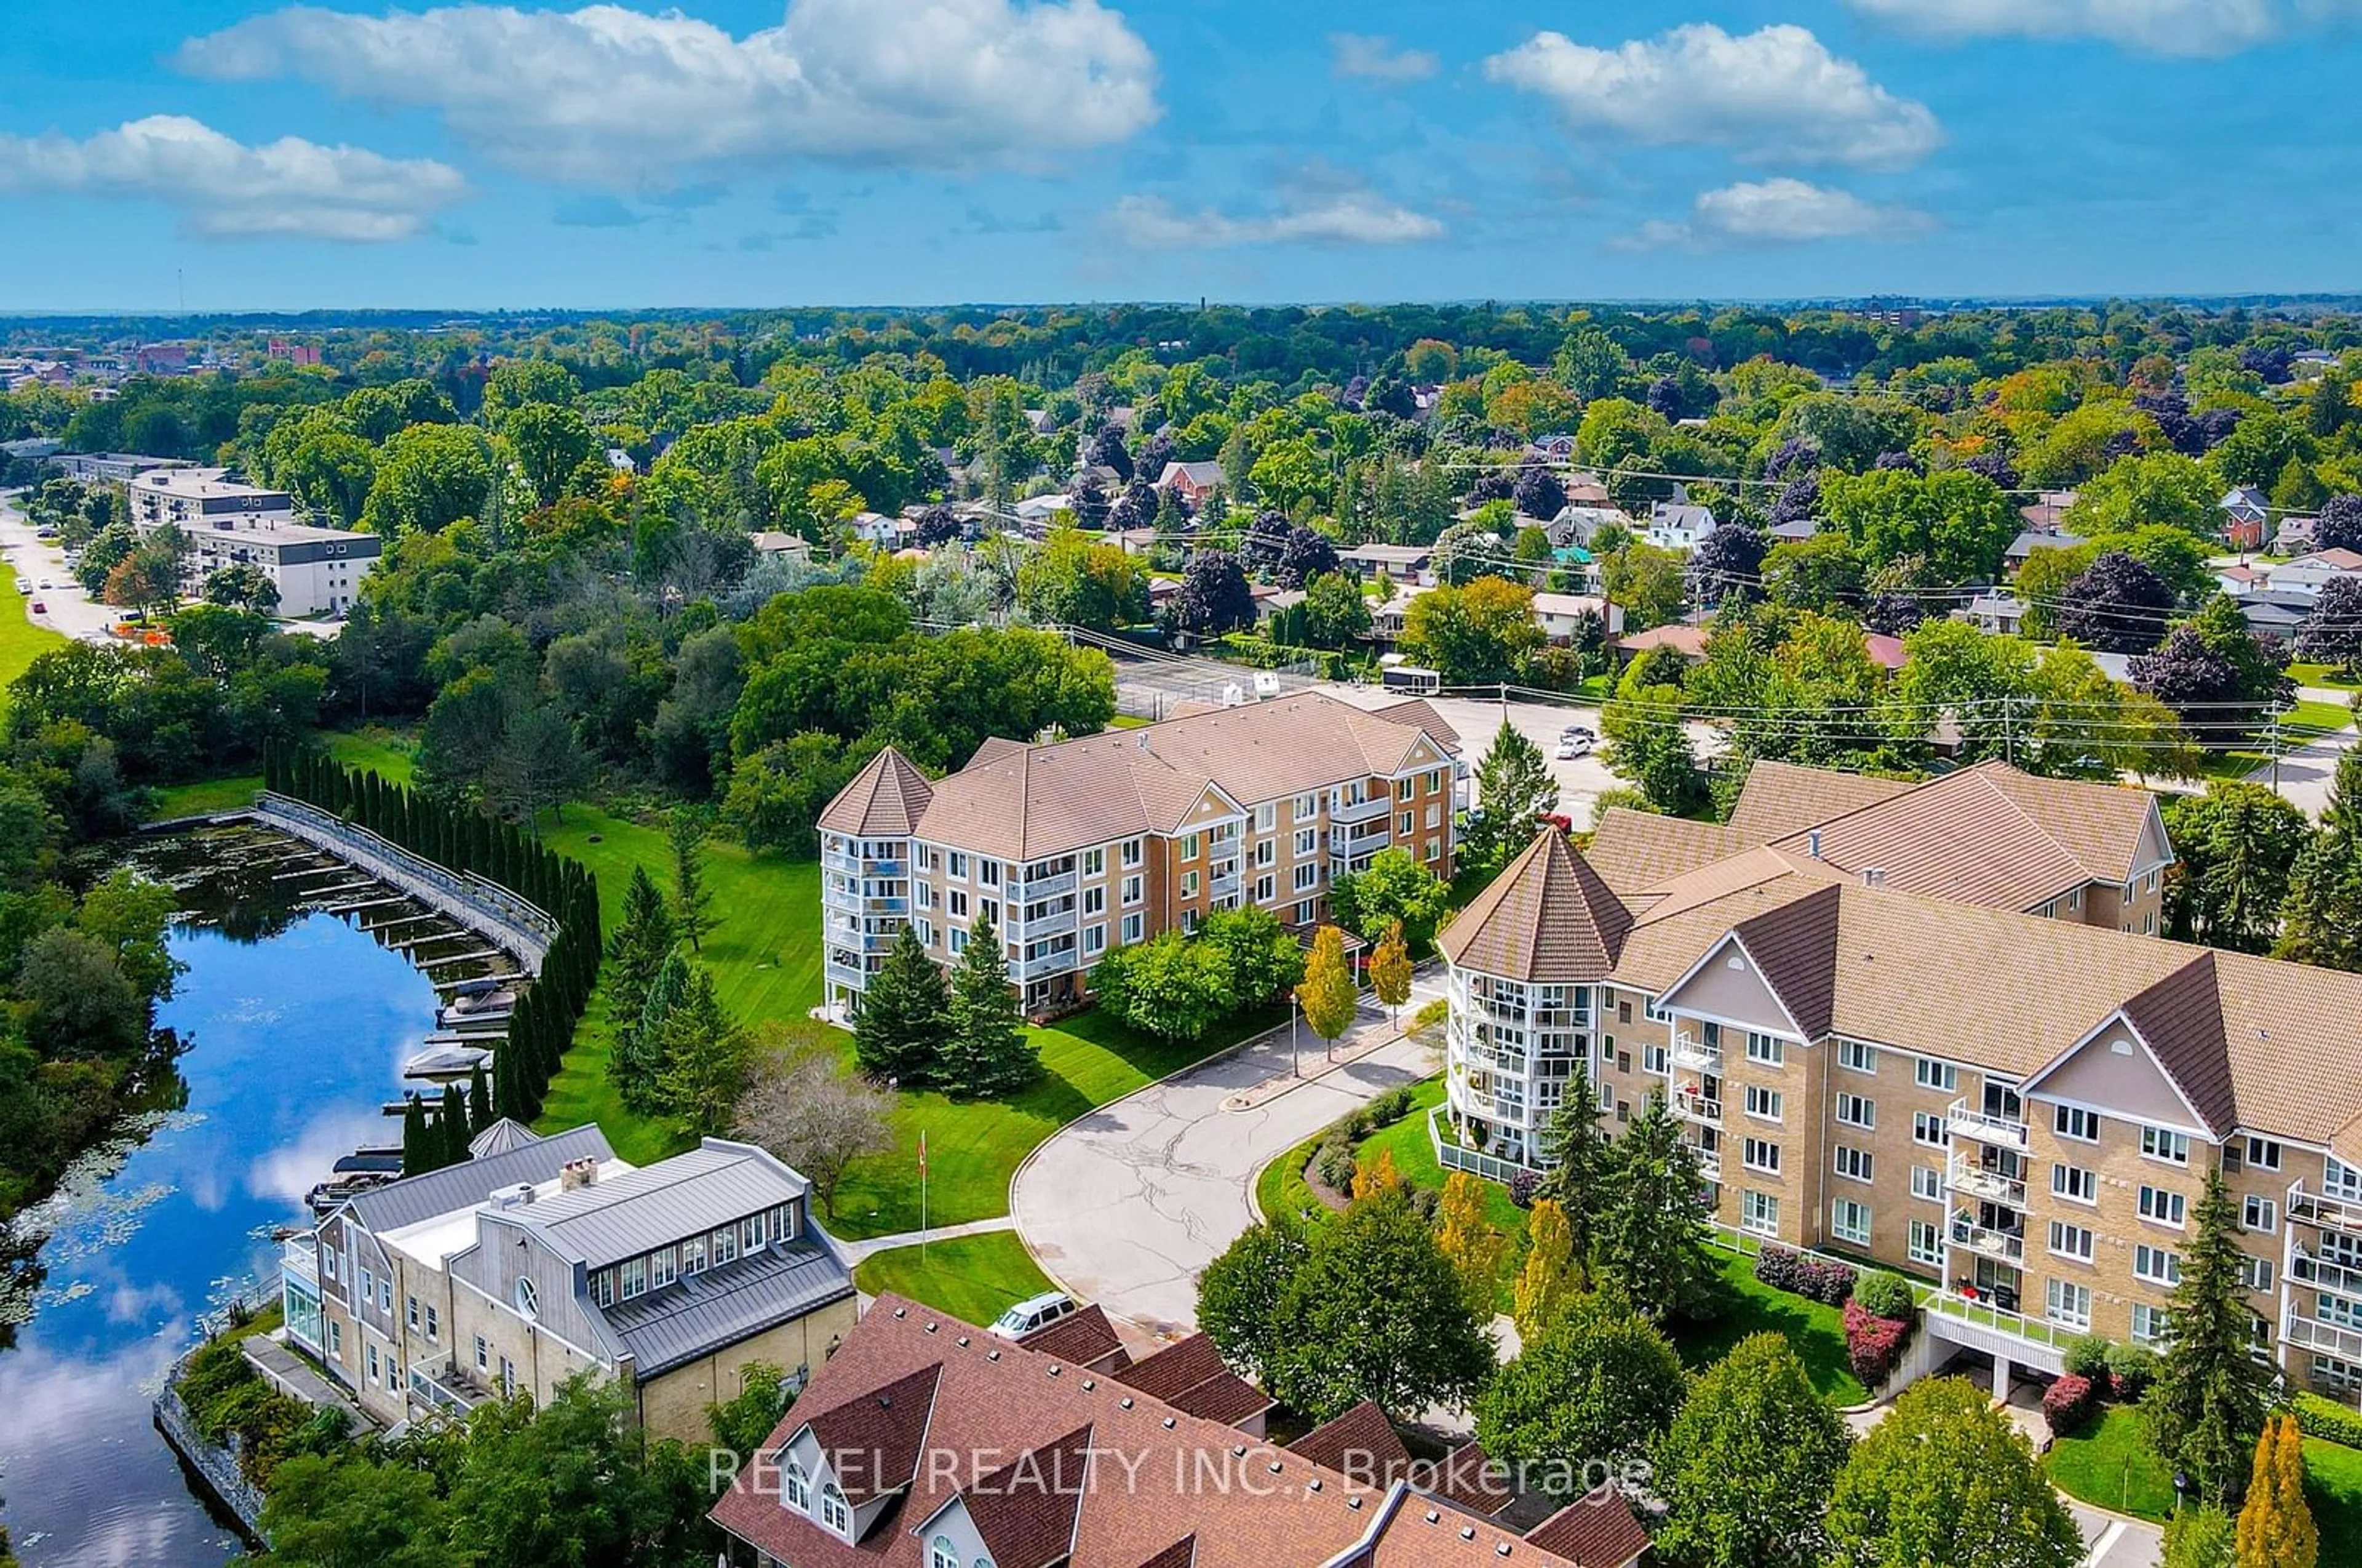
pixel 673 1404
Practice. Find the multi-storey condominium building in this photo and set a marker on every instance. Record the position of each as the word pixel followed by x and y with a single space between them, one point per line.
pixel 229 524
pixel 1079 846
pixel 1967 1060
pixel 541 1258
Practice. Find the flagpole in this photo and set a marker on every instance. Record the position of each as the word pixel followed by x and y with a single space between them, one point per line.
pixel 922 1198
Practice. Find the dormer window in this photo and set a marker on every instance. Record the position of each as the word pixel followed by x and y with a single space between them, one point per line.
pixel 834 1512
pixel 942 1554
pixel 797 1489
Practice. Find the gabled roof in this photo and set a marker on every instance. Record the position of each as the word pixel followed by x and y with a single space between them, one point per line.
pixel 1780 797
pixel 1026 1511
pixel 1632 850
pixel 1182 1554
pixel 1795 948
pixel 453 1188
pixel 2180 1017
pixel 1081 1337
pixel 1548 917
pixel 722 1305
pixel 886 1428
pixel 884 799
pixel 500 1137
pixel 1466 1479
pixel 1596 1531
pixel 1361 1442
pixel 1189 1374
pixel 622 1215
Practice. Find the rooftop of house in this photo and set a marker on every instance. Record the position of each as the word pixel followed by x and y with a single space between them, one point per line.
pixel 939 1413
pixel 1022 802
pixel 2334 560
pixel 637 1211
pixel 1547 918
pixel 197 484
pixel 1686 640
pixel 533 1161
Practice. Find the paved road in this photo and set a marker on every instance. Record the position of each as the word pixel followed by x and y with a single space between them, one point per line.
pixel 2304 774
pixel 1127 1205
pixel 70 610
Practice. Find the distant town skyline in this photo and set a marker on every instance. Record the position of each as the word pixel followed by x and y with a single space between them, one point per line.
pixel 231 155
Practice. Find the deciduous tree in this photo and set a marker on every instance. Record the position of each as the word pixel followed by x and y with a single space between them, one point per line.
pixel 1946 1482
pixel 2239 844
pixel 1594 1390
pixel 805 1108
pixel 1747 1467
pixel 2276 1526
pixel 1549 1277
pixel 1328 992
pixel 1396 889
pixel 1390 970
pixel 1469 1240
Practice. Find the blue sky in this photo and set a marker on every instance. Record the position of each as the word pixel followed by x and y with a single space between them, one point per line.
pixel 743 152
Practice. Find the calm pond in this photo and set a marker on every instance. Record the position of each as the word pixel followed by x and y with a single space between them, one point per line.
pixel 294 1025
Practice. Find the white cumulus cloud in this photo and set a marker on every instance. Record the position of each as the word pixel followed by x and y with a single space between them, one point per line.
pixel 1777 212
pixel 609 96
pixel 1773 95
pixel 1378 60
pixel 1343 217
pixel 226 189
pixel 2159 27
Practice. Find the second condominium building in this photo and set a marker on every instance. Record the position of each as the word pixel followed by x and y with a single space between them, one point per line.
pixel 1077 847
pixel 1932 1027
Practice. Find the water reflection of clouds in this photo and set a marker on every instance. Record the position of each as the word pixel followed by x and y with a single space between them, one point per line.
pixel 283 1175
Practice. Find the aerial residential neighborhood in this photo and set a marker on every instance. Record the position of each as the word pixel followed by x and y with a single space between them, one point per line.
pixel 1108 784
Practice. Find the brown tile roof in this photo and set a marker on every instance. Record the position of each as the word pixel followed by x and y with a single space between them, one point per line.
pixel 1796 946
pixel 996 1399
pixel 884 799
pixel 1361 1443
pixel 1466 1479
pixel 1022 801
pixel 1687 641
pixel 1189 1374
pixel 1548 917
pixel 1026 1511
pixel 1419 713
pixel 2181 1019
pixel 1597 1531
pixel 1083 1337
pixel 1780 798
pixel 887 1426
pixel 1632 850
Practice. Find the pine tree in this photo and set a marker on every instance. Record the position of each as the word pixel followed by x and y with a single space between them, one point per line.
pixel 1574 1147
pixel 451 1126
pixel 1390 971
pixel 479 1101
pixel 1327 993
pixel 2206 1407
pixel 420 1152
pixel 637 1059
pixel 692 901
pixel 1651 1228
pixel 1548 1280
pixel 988 1053
pixel 639 950
pixel 899 1030
pixel 703 1057
pixel 2275 1526
pixel 1514 789
pixel 2322 921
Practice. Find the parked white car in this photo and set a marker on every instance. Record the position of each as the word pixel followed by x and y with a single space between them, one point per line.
pixel 1033 1312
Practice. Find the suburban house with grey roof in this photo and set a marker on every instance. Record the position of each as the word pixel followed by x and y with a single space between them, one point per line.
pixel 1077 847
pixel 543 1258
pixel 1930 1026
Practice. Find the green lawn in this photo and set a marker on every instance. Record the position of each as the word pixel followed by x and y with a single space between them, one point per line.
pixel 21 641
pixel 1817 1332
pixel 2307 718
pixel 2112 1465
pixel 972 1277
pixel 2322 675
pixel 384 750
pixel 2333 1488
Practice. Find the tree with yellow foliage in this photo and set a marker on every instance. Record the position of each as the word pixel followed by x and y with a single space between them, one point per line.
pixel 1390 970
pixel 2276 1527
pixel 1471 1243
pixel 1328 992
pixel 1547 1281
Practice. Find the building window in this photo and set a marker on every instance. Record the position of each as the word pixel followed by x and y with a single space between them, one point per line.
pixel 2162 1208
pixel 1855 1110
pixel 2159 1143
pixel 368 1285
pixel 1407 824
pixel 661 1267
pixel 1856 1057
pixel 635 1278
pixel 942 1554
pixel 1926 1244
pixel 2071 1240
pixel 1131 928
pixel 2076 1183
pixel 2260 1215
pixel 1849 1221
pixel 2067 1304
pixel 1134 890
pixel 750 1234
pixel 988 873
pixel 692 1255
pixel 1132 851
pixel 1762 1155
pixel 2149 1323
pixel 1307 876
pixel 957 902
pixel 1653 1058
pixel 1763 1048
pixel 2156 1265
pixel 1759 1213
pixel 2256 1274
pixel 1094 938
pixel 1306 807
pixel 1927 1127
pixel 1306 841
pixel 726 1246
pixel 1191 845
pixel 2074 1122
pixel 1094 900
pixel 373 1366
pixel 796 1487
pixel 528 1299
pixel 957 940
pixel 832 1511
pixel 959 863
pixel 1763 1103
pixel 1095 861
pixel 1927 1182
pixel 1188 884
pixel 1852 1164
pixel 336 1341
pixel 508 1376
pixel 434 1328
pixel 2263 1154
pixel 483 1355
pixel 1932 1073
pixel 410 1313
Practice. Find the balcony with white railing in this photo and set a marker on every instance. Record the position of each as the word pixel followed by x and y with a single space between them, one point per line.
pixel 1046 887
pixel 2328 1212
pixel 1690 1104
pixel 2006 1246
pixel 843 974
pixel 1059 961
pixel 1967 1121
pixel 1694 1052
pixel 1965 1175
pixel 2306 1269
pixel 837 860
pixel 2329 1339
pixel 1343 810
pixel 296 1259
pixel 1710 1164
pixel 1979 1323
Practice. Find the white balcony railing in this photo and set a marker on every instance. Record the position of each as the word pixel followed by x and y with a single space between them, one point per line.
pixel 1710 1164
pixel 2311 1334
pixel 1343 810
pixel 1044 965
pixel 1690 1104
pixel 2306 1269
pixel 1691 1051
pixel 1971 1121
pixel 296 1258
pixel 1964 1174
pixel 1999 1245
pixel 2329 1212
pixel 1046 887
pixel 845 975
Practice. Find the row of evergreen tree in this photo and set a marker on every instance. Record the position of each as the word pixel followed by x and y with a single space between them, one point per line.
pixel 460 838
pixel 432 1140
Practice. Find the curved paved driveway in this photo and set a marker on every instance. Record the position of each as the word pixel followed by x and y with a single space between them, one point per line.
pixel 1126 1205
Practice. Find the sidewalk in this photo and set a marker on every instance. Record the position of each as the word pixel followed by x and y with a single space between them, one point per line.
pixel 854 1252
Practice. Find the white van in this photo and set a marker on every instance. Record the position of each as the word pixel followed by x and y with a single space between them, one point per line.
pixel 1033 1312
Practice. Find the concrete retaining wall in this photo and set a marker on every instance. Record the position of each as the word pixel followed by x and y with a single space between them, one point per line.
pixel 215 1463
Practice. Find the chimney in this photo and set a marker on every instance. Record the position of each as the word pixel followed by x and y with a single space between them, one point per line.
pixel 580 1173
pixel 1873 877
pixel 1812 843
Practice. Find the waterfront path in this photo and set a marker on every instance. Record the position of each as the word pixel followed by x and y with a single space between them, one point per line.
pixel 1126 1205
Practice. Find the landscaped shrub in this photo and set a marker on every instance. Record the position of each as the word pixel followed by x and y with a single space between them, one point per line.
pixel 2086 1356
pixel 1335 1164
pixel 2328 1420
pixel 1822 1280
pixel 1873 1344
pixel 1522 1187
pixel 1883 1294
pixel 1390 1107
pixel 2130 1370
pixel 2068 1404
